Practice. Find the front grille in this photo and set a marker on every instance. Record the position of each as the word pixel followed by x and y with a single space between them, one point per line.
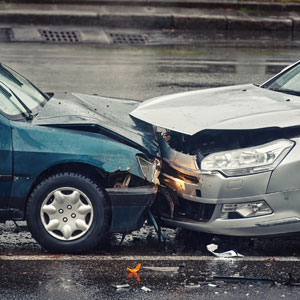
pixel 195 211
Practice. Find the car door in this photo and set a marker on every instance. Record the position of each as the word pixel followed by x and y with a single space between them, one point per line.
pixel 6 175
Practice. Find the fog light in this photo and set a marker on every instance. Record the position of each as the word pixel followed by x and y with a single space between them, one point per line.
pixel 250 209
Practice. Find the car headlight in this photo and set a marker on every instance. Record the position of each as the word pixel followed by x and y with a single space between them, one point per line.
pixel 248 160
pixel 149 169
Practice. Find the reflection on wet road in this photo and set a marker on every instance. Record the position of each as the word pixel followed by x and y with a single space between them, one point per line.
pixel 142 73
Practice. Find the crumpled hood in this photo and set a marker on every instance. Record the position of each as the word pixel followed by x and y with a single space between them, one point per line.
pixel 233 107
pixel 109 114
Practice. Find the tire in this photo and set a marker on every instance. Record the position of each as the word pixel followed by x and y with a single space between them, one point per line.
pixel 68 213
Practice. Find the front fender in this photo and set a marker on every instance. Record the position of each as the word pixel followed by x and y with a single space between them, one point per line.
pixel 37 148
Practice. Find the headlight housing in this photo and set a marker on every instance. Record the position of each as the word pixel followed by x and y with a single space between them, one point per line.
pixel 149 169
pixel 250 160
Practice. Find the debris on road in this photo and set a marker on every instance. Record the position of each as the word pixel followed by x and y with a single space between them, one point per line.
pixel 145 289
pixel 135 270
pixel 121 286
pixel 231 253
pixel 271 259
pixel 191 285
pixel 163 269
pixel 134 273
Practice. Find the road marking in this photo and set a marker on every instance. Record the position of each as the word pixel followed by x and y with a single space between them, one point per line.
pixel 63 257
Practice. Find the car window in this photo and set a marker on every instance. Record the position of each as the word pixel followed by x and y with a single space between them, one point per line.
pixel 9 104
pixel 16 87
pixel 288 81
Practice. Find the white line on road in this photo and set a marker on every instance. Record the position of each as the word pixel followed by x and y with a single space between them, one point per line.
pixel 60 257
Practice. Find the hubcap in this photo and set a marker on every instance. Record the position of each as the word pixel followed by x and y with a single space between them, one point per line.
pixel 67 213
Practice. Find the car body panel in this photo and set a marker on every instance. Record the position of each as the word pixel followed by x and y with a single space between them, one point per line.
pixel 48 146
pixel 129 207
pixel 5 161
pixel 286 176
pixel 214 187
pixel 234 107
pixel 109 114
pixel 285 219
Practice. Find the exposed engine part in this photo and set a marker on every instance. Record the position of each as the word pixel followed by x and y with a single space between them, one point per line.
pixel 168 205
pixel 122 183
pixel 206 142
pixel 123 179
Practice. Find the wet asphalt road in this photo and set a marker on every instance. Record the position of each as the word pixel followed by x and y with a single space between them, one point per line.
pixel 98 277
pixel 142 73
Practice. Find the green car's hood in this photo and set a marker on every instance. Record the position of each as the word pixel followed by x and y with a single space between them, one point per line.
pixel 107 116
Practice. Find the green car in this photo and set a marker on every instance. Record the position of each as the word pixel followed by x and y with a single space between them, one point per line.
pixel 74 166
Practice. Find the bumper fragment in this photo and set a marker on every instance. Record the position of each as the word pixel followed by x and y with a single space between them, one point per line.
pixel 129 206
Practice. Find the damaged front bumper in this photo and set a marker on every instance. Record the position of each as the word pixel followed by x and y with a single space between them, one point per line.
pixel 129 206
pixel 250 205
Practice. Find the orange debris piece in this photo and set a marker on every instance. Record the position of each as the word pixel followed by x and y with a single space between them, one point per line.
pixel 135 270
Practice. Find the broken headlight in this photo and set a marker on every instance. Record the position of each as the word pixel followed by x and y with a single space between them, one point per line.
pixel 248 160
pixel 150 169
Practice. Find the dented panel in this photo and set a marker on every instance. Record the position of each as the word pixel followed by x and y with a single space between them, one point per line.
pixel 198 197
pixel 235 107
pixel 104 115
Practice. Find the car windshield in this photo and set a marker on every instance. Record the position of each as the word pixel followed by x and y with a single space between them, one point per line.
pixel 286 82
pixel 18 96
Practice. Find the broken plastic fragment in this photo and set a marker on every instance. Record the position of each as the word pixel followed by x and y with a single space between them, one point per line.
pixel 212 247
pixel 134 273
pixel 135 270
pixel 192 286
pixel 145 289
pixel 231 253
pixel 121 286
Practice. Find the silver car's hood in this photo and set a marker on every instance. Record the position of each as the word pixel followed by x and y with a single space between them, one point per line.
pixel 234 107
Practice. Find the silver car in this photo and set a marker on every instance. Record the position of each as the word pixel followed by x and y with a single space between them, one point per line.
pixel 231 157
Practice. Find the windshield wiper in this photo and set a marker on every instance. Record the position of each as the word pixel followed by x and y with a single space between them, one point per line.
pixel 29 115
pixel 291 92
pixel 11 76
pixel 9 73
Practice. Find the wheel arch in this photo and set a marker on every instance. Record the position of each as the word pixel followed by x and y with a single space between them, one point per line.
pixel 96 174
